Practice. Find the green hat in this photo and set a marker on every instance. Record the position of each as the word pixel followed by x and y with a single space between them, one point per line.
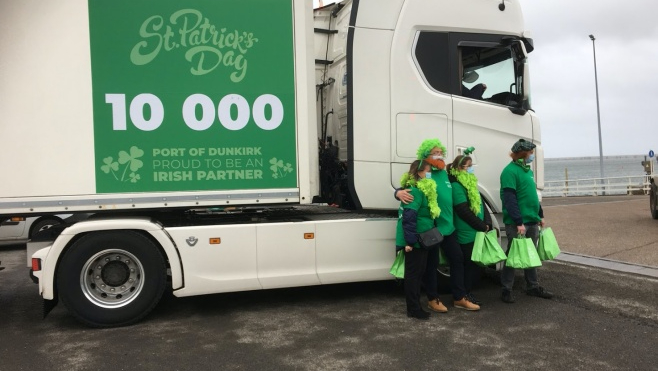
pixel 523 145
pixel 427 146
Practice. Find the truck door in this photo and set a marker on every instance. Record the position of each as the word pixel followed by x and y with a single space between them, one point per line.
pixel 420 99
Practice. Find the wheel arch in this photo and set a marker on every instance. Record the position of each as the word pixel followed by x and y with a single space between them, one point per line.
pixel 144 226
pixel 36 222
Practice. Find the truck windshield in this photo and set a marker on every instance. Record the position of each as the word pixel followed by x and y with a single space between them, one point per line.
pixel 493 74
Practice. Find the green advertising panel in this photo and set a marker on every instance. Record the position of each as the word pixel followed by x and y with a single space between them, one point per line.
pixel 194 95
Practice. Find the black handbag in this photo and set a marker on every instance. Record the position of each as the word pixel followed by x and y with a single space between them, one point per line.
pixel 430 239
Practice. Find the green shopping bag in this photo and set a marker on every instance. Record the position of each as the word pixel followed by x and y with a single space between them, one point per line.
pixel 486 249
pixel 547 248
pixel 443 259
pixel 522 254
pixel 397 269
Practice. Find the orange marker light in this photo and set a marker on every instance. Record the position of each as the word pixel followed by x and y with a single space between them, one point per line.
pixel 309 236
pixel 215 241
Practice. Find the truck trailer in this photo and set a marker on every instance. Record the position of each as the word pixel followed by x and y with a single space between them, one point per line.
pixel 242 144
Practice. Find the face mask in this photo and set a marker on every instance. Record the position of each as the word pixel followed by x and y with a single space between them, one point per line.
pixel 428 175
pixel 530 159
pixel 470 170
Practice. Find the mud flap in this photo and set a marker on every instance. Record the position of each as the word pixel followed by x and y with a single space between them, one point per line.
pixel 48 305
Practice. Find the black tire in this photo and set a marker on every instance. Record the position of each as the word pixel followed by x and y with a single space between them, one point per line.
pixel 112 278
pixel 652 202
pixel 42 224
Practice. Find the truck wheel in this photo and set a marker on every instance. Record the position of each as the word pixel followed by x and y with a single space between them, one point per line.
pixel 652 202
pixel 43 224
pixel 112 278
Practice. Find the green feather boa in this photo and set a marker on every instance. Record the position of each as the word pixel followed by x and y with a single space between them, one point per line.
pixel 470 182
pixel 428 187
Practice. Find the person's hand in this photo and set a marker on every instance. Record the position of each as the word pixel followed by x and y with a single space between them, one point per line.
pixel 484 86
pixel 404 196
pixel 408 248
pixel 520 229
pixel 542 223
pixel 487 229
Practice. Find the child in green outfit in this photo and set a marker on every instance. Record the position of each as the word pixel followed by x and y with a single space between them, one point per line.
pixel 416 217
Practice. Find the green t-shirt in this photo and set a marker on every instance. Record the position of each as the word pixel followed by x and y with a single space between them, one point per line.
pixel 423 220
pixel 465 233
pixel 445 222
pixel 523 182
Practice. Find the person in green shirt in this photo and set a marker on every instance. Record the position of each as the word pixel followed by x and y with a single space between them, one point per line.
pixel 416 217
pixel 471 216
pixel 522 214
pixel 432 151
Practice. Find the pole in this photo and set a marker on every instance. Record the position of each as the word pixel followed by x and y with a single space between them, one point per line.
pixel 598 111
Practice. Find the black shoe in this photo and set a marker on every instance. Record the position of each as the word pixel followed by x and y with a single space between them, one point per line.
pixel 419 314
pixel 539 292
pixel 472 299
pixel 508 297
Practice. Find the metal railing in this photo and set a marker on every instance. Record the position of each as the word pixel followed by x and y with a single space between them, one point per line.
pixel 623 185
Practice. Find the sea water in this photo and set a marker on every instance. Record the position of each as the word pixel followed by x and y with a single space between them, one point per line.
pixel 621 174
pixel 589 167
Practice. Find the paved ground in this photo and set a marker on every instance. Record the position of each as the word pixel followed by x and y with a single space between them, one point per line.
pixel 611 227
pixel 599 320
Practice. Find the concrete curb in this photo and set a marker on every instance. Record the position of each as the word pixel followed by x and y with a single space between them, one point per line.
pixel 615 265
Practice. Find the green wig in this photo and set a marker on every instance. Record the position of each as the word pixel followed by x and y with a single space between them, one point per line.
pixel 427 146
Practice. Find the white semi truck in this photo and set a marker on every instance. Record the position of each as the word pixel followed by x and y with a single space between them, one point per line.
pixel 206 138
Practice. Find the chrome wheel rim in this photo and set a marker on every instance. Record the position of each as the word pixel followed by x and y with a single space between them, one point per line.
pixel 112 278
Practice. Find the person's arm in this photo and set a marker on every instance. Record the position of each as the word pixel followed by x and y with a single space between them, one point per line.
pixel 487 217
pixel 463 211
pixel 403 195
pixel 409 220
pixel 542 223
pixel 512 206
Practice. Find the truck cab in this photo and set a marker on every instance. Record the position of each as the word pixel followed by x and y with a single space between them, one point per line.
pixel 391 74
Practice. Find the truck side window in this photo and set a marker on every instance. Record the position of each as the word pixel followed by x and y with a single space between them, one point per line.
pixel 489 74
pixel 431 54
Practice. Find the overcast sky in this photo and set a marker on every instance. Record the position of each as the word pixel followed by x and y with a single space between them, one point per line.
pixel 562 74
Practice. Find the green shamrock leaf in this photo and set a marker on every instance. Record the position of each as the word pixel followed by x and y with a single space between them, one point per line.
pixel 275 164
pixel 109 165
pixel 135 153
pixel 134 177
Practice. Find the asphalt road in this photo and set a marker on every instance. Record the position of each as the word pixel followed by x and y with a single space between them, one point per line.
pixel 599 320
pixel 611 227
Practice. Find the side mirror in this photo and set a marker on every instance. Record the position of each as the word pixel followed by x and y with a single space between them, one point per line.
pixel 526 82
pixel 522 56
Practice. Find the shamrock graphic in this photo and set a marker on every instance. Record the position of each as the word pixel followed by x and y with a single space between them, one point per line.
pixel 128 161
pixel 135 153
pixel 110 165
pixel 278 169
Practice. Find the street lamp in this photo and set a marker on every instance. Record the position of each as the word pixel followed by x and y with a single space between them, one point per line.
pixel 598 112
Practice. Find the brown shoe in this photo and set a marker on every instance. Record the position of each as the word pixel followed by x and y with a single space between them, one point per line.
pixel 437 306
pixel 463 303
